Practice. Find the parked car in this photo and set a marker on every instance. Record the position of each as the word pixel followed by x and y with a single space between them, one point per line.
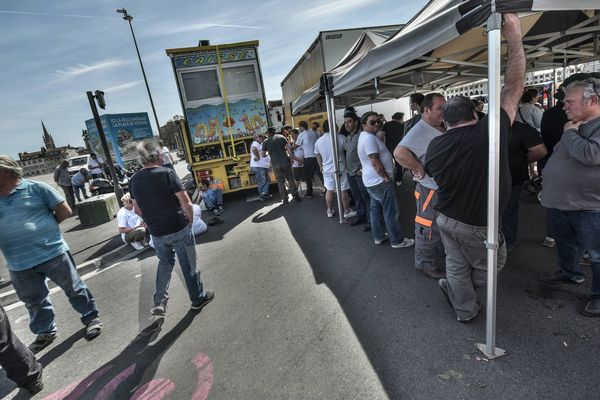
pixel 76 163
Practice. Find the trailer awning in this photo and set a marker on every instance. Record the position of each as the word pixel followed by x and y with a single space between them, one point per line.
pixel 446 45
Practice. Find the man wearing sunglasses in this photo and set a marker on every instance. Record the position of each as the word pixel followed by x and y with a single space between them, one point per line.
pixel 377 175
pixel 572 190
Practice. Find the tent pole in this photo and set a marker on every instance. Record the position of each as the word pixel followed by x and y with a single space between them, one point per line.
pixel 493 27
pixel 327 88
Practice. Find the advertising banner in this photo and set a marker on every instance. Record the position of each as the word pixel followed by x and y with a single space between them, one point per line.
pixel 121 131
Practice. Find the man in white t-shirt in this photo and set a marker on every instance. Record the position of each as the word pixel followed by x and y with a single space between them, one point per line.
pixel 324 155
pixel 96 166
pixel 131 226
pixel 260 166
pixel 377 174
pixel 166 154
pixel 306 140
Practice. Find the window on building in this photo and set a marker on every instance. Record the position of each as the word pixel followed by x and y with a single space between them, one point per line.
pixel 200 85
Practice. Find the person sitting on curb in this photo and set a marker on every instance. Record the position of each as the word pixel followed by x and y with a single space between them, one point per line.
pixel 212 195
pixel 131 227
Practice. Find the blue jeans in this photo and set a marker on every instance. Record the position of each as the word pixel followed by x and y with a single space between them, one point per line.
pixel 213 198
pixel 361 196
pixel 262 176
pixel 181 243
pixel 81 189
pixel 574 232
pixel 32 289
pixel 383 201
pixel 510 216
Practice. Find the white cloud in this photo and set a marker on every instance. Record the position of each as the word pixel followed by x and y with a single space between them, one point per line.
pixel 81 69
pixel 333 7
pixel 124 86
pixel 45 14
pixel 199 27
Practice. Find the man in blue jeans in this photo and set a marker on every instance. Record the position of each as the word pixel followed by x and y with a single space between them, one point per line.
pixel 378 177
pixel 572 190
pixel 161 200
pixel 34 249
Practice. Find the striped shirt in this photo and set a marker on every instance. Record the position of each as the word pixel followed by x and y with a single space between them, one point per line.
pixel 30 234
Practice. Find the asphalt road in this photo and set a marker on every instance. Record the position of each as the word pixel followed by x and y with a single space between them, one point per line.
pixel 306 308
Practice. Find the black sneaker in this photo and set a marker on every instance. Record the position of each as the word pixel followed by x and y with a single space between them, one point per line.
pixel 93 328
pixel 34 386
pixel 297 198
pixel 592 307
pixel 41 342
pixel 358 221
pixel 208 296
pixel 558 277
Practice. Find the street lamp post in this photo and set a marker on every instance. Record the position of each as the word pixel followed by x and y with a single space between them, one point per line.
pixel 128 18
pixel 99 96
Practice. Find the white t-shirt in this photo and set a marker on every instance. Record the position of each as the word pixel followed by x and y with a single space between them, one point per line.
pixel 370 144
pixel 263 162
pixel 323 148
pixel 198 225
pixel 95 165
pixel 300 154
pixel 127 219
pixel 167 159
pixel 307 140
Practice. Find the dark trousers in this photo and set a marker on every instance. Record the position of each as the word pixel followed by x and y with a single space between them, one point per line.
pixel 69 195
pixel 360 195
pixel 510 216
pixel 574 232
pixel 311 167
pixel 16 359
pixel 282 174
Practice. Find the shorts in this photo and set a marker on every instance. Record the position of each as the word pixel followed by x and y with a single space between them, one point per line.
pixel 329 181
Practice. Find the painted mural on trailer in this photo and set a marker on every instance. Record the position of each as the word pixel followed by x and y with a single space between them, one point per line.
pixel 209 122
pixel 120 130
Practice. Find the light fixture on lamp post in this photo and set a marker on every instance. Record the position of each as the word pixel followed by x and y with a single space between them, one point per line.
pixel 128 18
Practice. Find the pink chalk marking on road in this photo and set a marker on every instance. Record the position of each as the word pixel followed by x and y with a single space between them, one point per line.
pixel 205 376
pixel 114 383
pixel 74 390
pixel 156 389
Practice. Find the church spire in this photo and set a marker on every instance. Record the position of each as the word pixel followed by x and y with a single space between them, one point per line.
pixel 48 140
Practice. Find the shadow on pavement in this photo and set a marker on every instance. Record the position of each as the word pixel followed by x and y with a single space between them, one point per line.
pixel 134 366
pixel 409 332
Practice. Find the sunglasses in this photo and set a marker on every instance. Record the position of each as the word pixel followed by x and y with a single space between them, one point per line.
pixel 374 122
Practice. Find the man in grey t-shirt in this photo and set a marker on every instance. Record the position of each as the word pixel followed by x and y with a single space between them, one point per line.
pixel 430 257
pixel 279 149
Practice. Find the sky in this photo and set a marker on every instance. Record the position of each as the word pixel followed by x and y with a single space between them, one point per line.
pixel 55 51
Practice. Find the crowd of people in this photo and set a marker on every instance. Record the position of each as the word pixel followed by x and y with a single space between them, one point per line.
pixel 444 146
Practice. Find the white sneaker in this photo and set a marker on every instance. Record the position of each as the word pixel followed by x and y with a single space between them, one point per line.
pixel 137 245
pixel 385 238
pixel 406 243
pixel 350 214
pixel 330 213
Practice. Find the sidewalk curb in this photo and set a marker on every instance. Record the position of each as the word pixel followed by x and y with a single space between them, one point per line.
pixel 121 253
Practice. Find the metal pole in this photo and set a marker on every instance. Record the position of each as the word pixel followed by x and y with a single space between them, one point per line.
pixel 111 167
pixel 128 18
pixel 493 27
pixel 329 104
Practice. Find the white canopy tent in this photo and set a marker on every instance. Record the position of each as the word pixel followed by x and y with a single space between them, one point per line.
pixel 446 44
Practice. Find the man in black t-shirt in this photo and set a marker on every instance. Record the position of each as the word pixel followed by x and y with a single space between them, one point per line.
pixel 394 132
pixel 278 149
pixel 164 205
pixel 525 147
pixel 458 161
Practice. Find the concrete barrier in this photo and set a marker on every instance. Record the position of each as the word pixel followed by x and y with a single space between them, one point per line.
pixel 98 209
